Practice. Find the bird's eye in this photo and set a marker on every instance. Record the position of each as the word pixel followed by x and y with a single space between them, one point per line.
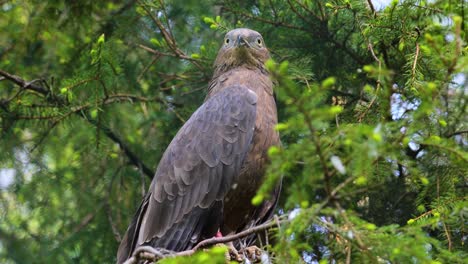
pixel 259 41
pixel 226 41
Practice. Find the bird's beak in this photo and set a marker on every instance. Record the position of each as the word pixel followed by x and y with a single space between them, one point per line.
pixel 241 42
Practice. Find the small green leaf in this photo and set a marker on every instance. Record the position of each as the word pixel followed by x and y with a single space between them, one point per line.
pixel 94 113
pixel 401 46
pixel 428 37
pixel 368 68
pixel 377 136
pixel 258 199
pixel 283 68
pixel 101 39
pixel 273 150
pixel 329 82
pixel 421 208
pixel 424 180
pixel 368 88
pixel 431 86
pixel 323 261
pixel 208 20
pixel 361 180
pixel 281 126
pixel 336 109
pixel 457 20
pixel 155 42
pixel 425 49
pixel 270 65
pixel 406 141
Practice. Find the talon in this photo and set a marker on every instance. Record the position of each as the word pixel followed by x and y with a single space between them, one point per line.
pixel 233 253
pixel 253 253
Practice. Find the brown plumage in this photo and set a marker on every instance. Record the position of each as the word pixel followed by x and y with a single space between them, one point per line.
pixel 215 164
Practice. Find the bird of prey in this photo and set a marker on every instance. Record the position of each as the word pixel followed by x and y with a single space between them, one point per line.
pixel 215 164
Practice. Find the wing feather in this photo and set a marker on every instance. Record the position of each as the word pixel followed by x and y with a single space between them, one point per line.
pixel 196 171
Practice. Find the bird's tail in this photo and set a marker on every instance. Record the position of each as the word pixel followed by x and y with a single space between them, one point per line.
pixel 127 245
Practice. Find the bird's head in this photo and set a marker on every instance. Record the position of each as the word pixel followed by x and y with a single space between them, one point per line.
pixel 242 47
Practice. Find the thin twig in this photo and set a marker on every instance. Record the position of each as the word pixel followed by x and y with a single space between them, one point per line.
pixel 275 23
pixel 447 234
pixel 371 6
pixel 359 240
pixel 160 53
pixel 23 84
pixel 115 231
pixel 457 133
pixel 155 58
pixel 295 11
pixel 304 6
pixel 86 220
pixel 363 114
pixel 171 42
pixel 413 68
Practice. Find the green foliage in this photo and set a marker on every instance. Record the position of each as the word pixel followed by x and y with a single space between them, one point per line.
pixel 372 109
pixel 216 255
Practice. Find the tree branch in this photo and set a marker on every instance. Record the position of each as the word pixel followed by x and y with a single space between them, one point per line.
pixel 457 133
pixel 83 114
pixel 371 7
pixel 169 38
pixel 152 254
pixel 29 86
pixel 126 149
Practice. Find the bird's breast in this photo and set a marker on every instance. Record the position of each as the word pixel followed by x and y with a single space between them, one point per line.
pixel 237 204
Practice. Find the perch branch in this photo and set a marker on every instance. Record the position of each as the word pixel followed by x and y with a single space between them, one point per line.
pixel 152 254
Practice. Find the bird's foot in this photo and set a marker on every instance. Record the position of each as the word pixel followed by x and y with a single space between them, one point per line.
pixel 253 253
pixel 232 253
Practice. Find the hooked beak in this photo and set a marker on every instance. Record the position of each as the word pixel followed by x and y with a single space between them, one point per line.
pixel 241 42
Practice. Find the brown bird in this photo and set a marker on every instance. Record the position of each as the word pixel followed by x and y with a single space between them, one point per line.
pixel 215 164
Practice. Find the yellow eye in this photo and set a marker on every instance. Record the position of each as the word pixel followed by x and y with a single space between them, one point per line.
pixel 226 41
pixel 259 41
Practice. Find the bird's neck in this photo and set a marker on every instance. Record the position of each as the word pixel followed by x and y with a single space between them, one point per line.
pixel 255 78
